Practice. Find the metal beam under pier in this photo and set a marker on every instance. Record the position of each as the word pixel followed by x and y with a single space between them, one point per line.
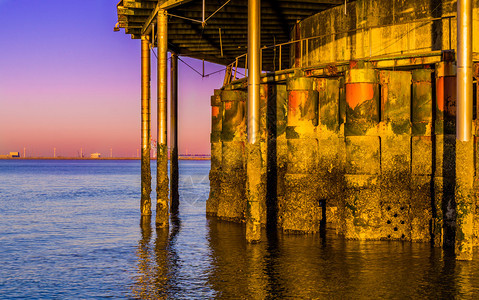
pixel 162 213
pixel 253 168
pixel 174 174
pixel 145 205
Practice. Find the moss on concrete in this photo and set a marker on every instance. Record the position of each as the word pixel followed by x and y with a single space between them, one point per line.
pixel 255 192
pixel 215 179
pixel 464 199
pixel 145 205
pixel 232 203
pixel 162 211
pixel 301 212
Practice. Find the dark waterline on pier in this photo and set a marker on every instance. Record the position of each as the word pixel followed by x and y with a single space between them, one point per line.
pixel 71 229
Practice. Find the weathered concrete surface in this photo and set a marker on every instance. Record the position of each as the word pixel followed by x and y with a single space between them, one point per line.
pixel 162 210
pixel 232 202
pixel 254 192
pixel 330 168
pixel 145 204
pixel 395 131
pixel 373 28
pixel 421 155
pixel 464 200
pixel 216 154
pixel 362 215
pixel 362 199
pixel 362 99
pixel 300 209
pixel 278 152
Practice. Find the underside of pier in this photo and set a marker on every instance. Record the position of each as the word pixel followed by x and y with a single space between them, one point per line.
pixel 365 118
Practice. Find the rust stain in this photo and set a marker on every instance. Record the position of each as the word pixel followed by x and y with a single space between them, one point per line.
pixel 332 70
pixel 475 70
pixel 450 94
pixel 228 105
pixel 446 94
pixel 357 93
pixel 384 99
pixel 215 111
pixel 321 85
pixel 440 93
pixel 296 101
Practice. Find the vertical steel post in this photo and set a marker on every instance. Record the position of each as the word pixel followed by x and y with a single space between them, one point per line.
pixel 162 213
pixel 253 225
pixel 464 70
pixel 254 14
pixel 145 202
pixel 174 196
pixel 464 148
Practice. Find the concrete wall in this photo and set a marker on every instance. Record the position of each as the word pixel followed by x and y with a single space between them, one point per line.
pixel 374 28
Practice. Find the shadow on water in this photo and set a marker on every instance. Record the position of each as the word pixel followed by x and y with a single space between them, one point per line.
pixel 305 266
pixel 300 266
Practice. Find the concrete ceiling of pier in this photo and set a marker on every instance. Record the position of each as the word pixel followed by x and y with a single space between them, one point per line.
pixel 190 38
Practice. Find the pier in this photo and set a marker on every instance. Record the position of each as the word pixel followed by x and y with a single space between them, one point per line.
pixel 360 116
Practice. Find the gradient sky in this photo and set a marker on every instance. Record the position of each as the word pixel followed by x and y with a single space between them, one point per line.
pixel 67 81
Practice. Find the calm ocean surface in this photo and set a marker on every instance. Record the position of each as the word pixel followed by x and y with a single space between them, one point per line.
pixel 72 229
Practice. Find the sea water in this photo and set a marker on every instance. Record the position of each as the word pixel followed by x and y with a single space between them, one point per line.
pixel 71 229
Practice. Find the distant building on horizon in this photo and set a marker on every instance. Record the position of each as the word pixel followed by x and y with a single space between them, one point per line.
pixel 10 155
pixel 95 155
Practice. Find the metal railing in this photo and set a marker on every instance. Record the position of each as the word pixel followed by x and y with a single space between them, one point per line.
pixel 302 59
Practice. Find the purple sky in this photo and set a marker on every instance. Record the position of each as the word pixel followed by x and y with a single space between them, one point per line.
pixel 68 81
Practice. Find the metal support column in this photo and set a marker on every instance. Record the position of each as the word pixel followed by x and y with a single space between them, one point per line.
pixel 253 225
pixel 174 197
pixel 162 214
pixel 145 204
pixel 464 70
pixel 464 150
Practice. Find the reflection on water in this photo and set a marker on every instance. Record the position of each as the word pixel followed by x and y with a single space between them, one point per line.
pixel 301 266
pixel 157 261
pixel 72 230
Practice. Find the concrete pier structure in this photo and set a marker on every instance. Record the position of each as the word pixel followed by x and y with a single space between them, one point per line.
pixel 367 122
pixel 374 136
